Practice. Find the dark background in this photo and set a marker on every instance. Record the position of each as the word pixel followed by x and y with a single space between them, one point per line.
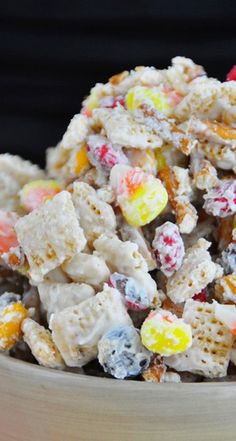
pixel 52 52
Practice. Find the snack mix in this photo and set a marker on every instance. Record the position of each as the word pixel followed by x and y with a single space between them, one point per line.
pixel 119 260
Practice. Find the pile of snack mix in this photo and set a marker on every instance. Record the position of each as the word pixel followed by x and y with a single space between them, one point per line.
pixel 120 258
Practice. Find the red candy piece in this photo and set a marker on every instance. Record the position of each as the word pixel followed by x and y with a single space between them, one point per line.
pixel 231 76
pixel 221 200
pixel 201 296
pixel 8 237
pixel 168 248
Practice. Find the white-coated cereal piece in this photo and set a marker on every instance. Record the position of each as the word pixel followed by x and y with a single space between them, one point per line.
pixel 196 272
pixel 201 100
pixel 206 177
pixel 20 170
pixel 209 354
pixel 57 296
pixel 165 128
pixel 76 132
pixel 172 377
pixel 77 330
pixel 121 257
pixel 41 345
pixel 96 216
pixel 135 235
pixel 87 268
pixel 50 235
pixel 225 289
pixel 121 128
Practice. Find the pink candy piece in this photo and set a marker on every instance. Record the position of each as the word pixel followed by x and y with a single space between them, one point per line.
pixel 201 296
pixel 221 201
pixel 168 248
pixel 103 154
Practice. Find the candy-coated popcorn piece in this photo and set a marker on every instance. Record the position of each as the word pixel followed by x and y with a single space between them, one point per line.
pixel 121 354
pixel 151 96
pixel 41 344
pixel 140 196
pixel 15 259
pixel 57 296
pixel 50 235
pixel 96 216
pixel 77 330
pixel 221 200
pixel 210 352
pixel 168 248
pixel 225 288
pixel 35 193
pixel 11 318
pixel 135 296
pixel 231 76
pixel 8 238
pixel 102 154
pixel 87 268
pixel 162 332
pixel 196 272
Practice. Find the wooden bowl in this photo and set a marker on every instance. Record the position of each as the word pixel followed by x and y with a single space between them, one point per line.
pixel 39 404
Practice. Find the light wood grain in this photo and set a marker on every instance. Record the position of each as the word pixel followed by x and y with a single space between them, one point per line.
pixel 38 404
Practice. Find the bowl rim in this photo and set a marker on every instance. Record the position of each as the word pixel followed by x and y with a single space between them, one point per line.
pixel 23 367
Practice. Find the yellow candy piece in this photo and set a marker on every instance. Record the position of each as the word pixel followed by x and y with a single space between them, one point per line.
pixel 142 198
pixel 35 193
pixel 151 96
pixel 92 101
pixel 165 334
pixel 11 318
pixel 81 161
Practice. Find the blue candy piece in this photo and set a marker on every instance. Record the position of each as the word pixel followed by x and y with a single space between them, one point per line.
pixel 121 353
pixel 136 297
pixel 228 259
